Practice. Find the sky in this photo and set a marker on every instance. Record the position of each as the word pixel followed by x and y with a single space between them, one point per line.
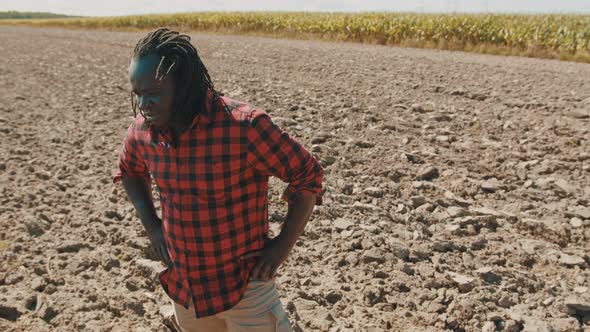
pixel 132 7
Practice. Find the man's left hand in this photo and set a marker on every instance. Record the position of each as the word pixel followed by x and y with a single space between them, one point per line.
pixel 274 253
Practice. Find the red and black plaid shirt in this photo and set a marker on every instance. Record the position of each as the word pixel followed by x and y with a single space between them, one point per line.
pixel 213 194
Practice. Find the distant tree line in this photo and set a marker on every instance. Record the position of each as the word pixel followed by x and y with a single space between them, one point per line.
pixel 29 15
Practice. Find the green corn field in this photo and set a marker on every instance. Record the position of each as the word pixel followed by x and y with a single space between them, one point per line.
pixel 550 36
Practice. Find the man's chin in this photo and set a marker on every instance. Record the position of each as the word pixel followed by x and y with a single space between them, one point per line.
pixel 156 122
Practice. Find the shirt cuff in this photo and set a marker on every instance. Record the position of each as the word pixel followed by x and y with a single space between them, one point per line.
pixel 291 195
pixel 119 176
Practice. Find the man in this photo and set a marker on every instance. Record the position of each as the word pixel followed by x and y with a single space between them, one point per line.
pixel 210 157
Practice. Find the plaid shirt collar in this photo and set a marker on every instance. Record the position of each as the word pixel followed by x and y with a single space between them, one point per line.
pixel 201 119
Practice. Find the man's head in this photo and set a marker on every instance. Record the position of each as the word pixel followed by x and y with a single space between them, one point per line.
pixel 169 81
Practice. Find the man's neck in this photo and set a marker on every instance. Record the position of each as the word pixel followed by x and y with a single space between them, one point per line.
pixel 178 126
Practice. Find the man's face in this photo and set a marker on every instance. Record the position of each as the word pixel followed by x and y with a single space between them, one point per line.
pixel 155 98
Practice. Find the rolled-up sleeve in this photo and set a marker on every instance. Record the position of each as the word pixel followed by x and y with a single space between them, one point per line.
pixel 130 162
pixel 273 151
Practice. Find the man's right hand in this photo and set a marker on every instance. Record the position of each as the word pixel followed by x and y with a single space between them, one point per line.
pixel 159 245
pixel 139 192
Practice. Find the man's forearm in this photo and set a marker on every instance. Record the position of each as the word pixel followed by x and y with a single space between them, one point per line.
pixel 298 214
pixel 139 193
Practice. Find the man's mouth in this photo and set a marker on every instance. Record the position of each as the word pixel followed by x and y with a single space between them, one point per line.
pixel 150 117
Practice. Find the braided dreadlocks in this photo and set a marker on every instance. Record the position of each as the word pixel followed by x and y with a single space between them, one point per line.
pixel 179 58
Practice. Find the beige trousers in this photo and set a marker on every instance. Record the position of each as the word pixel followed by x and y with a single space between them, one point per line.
pixel 259 310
